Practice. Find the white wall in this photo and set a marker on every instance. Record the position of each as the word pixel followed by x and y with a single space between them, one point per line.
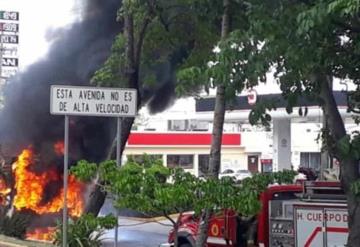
pixel 232 157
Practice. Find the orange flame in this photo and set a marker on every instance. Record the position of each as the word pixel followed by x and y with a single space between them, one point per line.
pixel 4 191
pixel 59 148
pixel 30 188
pixel 45 234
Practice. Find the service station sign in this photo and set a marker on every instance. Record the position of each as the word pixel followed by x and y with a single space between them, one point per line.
pixel 93 101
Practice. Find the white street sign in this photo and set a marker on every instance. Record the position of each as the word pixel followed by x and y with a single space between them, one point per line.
pixel 93 101
pixel 317 225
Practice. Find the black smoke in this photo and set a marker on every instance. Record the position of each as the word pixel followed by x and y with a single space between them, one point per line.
pixel 73 57
pixel 75 54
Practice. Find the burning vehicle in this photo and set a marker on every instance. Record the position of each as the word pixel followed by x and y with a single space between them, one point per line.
pixel 37 192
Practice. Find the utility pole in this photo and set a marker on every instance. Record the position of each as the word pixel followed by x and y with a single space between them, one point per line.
pixel 1 53
pixel 2 79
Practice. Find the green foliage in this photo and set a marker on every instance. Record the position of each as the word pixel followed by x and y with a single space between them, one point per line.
pixel 14 226
pixel 148 189
pixel 355 187
pixel 167 35
pixel 84 170
pixel 297 43
pixel 145 160
pixel 86 231
pixel 112 72
pixel 355 145
pixel 155 189
pixel 244 198
pixel 250 189
pixel 293 42
pixel 145 187
pixel 343 146
pixel 259 114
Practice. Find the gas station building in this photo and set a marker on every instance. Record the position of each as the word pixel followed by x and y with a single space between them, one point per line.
pixel 290 141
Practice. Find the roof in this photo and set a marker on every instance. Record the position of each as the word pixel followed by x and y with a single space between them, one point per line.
pixel 241 102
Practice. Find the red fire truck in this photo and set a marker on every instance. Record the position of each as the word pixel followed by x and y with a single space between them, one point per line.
pixel 311 214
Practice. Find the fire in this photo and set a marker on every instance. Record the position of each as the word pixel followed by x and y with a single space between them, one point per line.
pixel 45 234
pixel 4 191
pixel 31 187
pixel 59 148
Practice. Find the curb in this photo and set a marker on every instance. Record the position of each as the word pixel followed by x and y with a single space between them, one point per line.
pixel 7 244
pixel 6 241
pixel 154 219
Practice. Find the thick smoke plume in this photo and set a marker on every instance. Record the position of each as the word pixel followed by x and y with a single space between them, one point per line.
pixel 72 59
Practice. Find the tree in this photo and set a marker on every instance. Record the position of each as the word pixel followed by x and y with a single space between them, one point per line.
pixel 310 43
pixel 153 189
pixel 220 77
pixel 157 35
pixel 218 124
pixel 304 45
pixel 147 187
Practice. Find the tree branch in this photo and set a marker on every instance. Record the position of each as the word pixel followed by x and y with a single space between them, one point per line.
pixel 330 108
pixel 150 15
pixel 129 33
pixel 141 40
pixel 169 218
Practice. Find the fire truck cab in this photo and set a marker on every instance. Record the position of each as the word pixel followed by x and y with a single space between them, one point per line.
pixel 310 214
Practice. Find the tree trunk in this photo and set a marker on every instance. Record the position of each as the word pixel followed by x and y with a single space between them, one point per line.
pixel 349 168
pixel 203 228
pixel 176 231
pixel 132 53
pixel 218 124
pixel 97 196
pixel 353 210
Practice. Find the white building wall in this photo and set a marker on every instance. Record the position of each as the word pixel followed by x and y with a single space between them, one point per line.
pixel 254 139
pixel 304 140
pixel 232 157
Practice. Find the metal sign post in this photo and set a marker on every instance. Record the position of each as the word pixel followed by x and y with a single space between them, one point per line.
pixel 90 101
pixel 66 173
pixel 118 162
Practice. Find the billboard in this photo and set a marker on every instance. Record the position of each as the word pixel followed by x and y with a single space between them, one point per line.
pixel 9 39
pixel 9 27
pixel 9 51
pixel 10 62
pixel 9 15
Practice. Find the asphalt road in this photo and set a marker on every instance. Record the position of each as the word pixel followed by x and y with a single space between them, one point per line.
pixel 145 235
pixel 136 232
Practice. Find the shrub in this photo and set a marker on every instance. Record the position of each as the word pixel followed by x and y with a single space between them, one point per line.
pixel 86 231
pixel 14 226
